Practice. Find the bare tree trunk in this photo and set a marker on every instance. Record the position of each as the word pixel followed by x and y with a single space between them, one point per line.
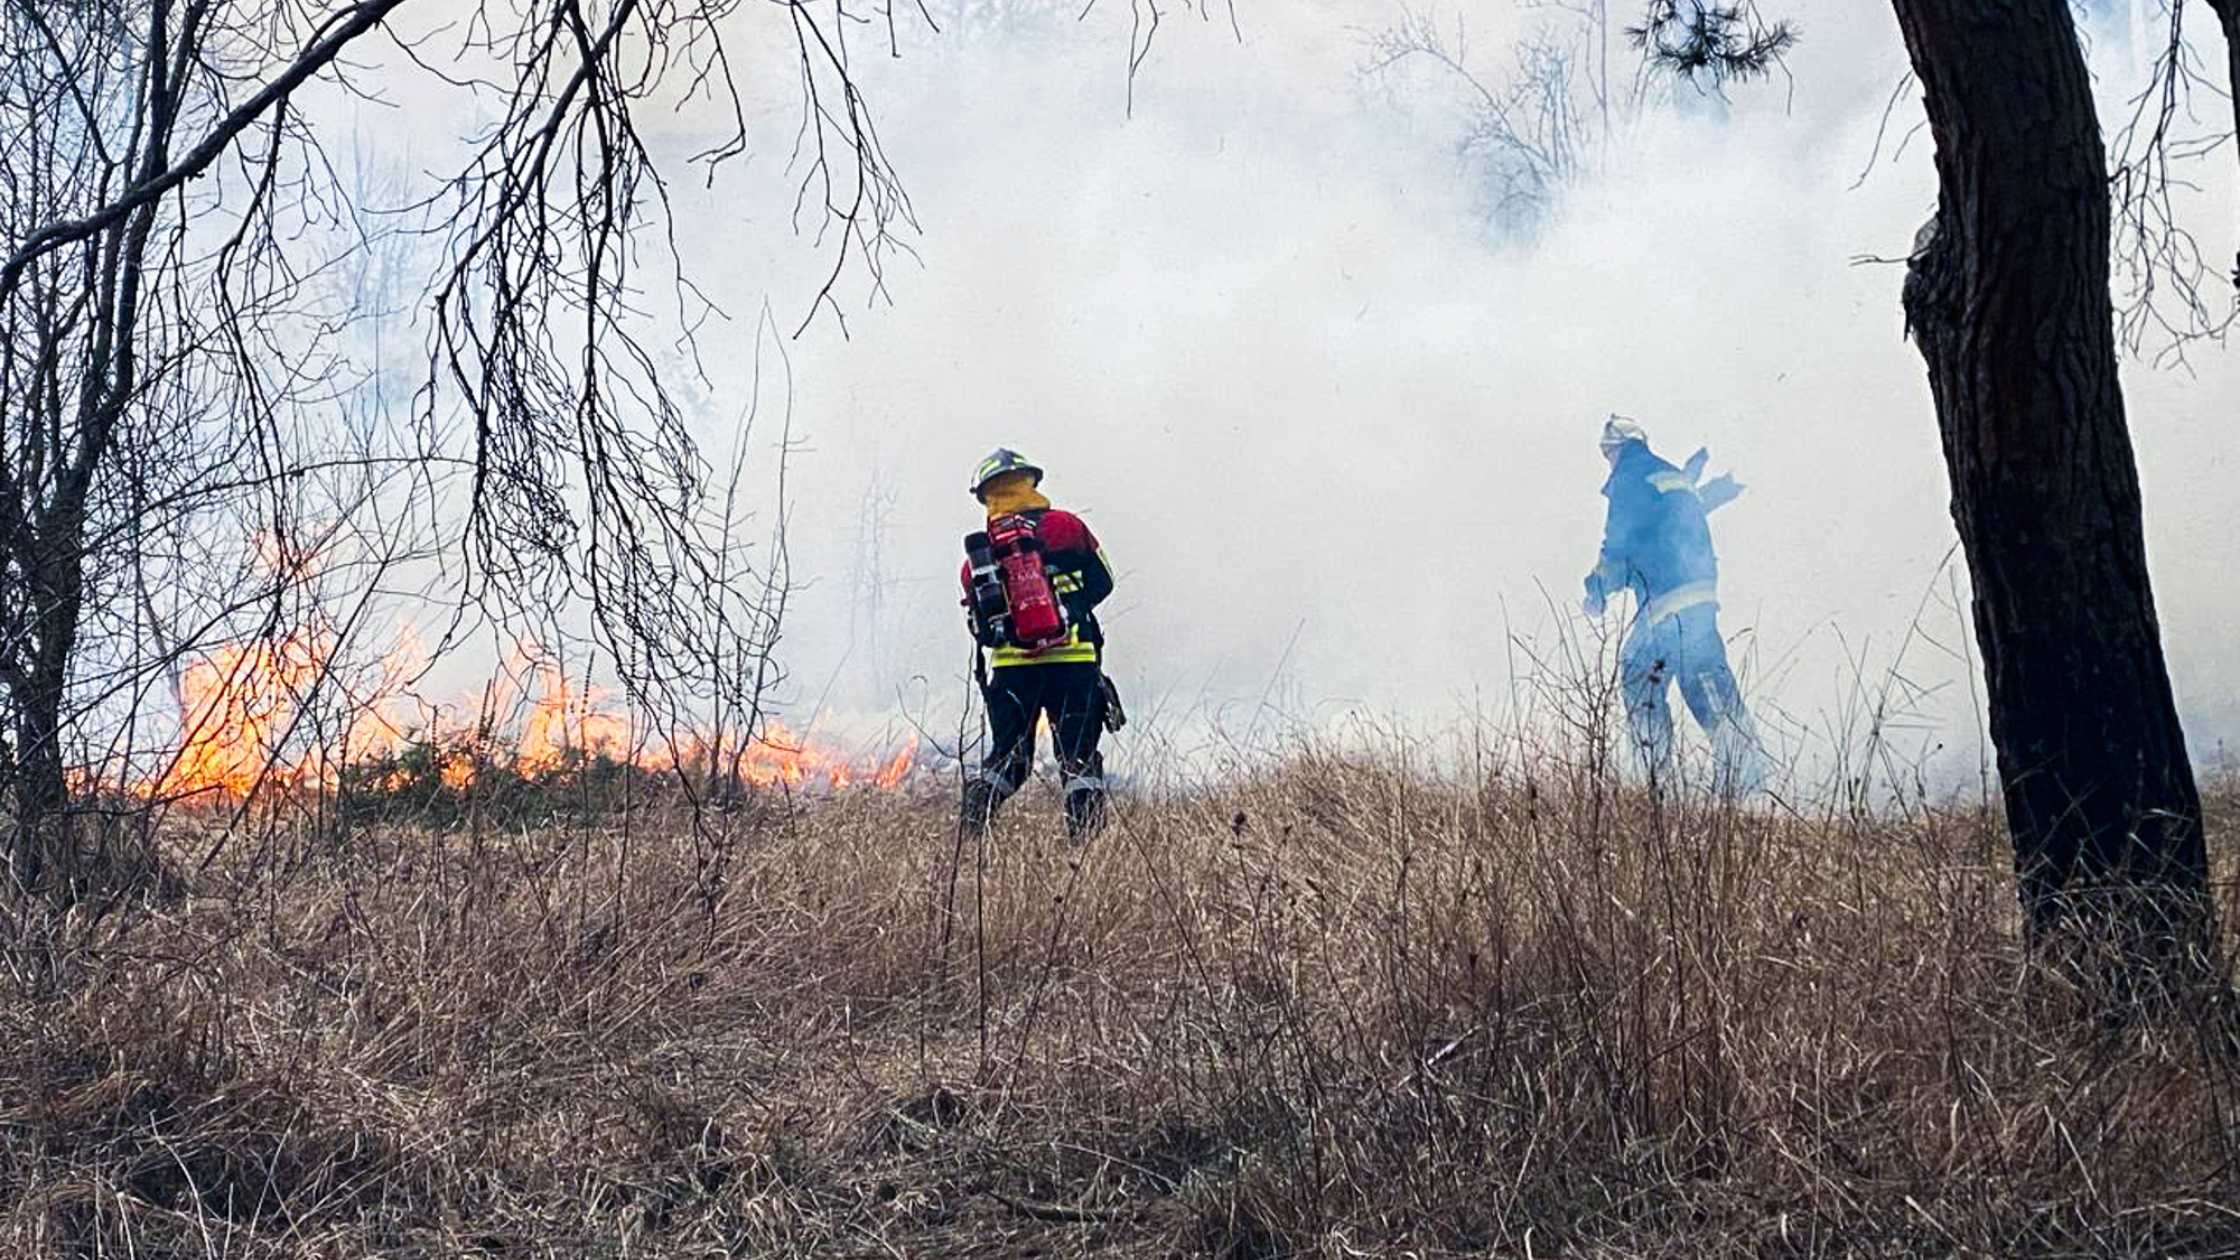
pixel 42 846
pixel 42 804
pixel 2008 301
pixel 2228 17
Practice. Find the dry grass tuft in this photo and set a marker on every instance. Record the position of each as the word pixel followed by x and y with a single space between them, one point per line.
pixel 1339 1007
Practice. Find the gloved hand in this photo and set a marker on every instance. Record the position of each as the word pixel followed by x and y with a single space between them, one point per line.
pixel 1594 602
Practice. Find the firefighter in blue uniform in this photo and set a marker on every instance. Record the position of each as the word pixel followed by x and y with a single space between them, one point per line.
pixel 1657 545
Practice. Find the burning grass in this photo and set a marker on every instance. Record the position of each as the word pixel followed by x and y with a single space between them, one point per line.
pixel 1338 1007
pixel 289 715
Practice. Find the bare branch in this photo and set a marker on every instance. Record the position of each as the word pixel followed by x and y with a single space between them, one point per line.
pixel 343 28
pixel 2166 295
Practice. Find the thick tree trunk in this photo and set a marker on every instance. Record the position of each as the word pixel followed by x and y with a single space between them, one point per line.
pixel 43 844
pixel 2008 301
pixel 42 803
pixel 2228 17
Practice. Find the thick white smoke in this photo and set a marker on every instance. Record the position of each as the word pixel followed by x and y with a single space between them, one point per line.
pixel 1338 436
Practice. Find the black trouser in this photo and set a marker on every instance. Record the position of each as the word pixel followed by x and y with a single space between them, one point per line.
pixel 1073 697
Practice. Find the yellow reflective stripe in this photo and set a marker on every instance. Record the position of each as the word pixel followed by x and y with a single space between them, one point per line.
pixel 1064 654
pixel 1066 583
pixel 1072 651
pixel 1679 600
pixel 1667 482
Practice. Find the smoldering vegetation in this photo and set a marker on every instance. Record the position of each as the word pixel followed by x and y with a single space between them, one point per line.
pixel 1354 1001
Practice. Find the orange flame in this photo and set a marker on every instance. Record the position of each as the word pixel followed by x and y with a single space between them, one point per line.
pixel 566 724
pixel 779 757
pixel 242 706
pixel 240 703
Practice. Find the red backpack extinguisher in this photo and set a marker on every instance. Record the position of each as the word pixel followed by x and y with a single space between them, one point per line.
pixel 1013 602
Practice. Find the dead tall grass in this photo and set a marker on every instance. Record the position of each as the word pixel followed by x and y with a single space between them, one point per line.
pixel 1338 1007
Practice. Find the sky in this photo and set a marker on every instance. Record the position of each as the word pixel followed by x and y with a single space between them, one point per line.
pixel 1336 430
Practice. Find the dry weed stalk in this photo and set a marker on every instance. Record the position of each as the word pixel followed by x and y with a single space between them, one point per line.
pixel 1347 1003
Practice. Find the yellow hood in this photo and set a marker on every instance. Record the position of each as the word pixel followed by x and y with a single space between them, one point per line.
pixel 1011 494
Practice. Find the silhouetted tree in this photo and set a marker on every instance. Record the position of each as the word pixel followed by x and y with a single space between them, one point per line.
pixel 2228 18
pixel 171 368
pixel 2007 297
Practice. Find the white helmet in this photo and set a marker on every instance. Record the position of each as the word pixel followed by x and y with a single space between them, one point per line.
pixel 1617 431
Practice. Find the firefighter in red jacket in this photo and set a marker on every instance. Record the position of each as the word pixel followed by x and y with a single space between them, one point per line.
pixel 1063 680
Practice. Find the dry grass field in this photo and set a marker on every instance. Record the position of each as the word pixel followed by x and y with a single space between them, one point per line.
pixel 1339 1007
